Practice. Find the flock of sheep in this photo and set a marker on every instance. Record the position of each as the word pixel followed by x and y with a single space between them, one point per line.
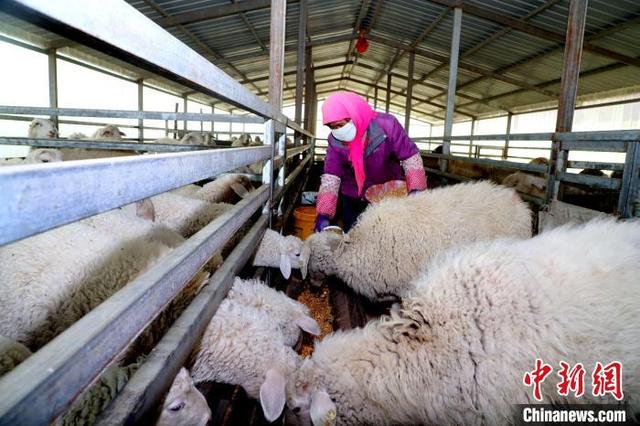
pixel 478 300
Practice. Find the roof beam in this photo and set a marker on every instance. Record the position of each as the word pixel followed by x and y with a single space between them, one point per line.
pixel 516 24
pixel 213 12
pixel 472 68
pixel 493 37
pixel 401 52
pixel 292 72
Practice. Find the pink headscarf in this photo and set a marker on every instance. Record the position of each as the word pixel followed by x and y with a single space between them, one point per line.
pixel 341 105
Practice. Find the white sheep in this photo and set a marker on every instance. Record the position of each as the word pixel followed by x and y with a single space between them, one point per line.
pixel 78 135
pixel 383 252
pixel 12 353
pixel 197 138
pixel 289 315
pixel 110 132
pixel 41 128
pixel 44 155
pixel 241 346
pixel 184 404
pixel 227 188
pixel 457 350
pixel 50 280
pixel 527 183
pixel 280 251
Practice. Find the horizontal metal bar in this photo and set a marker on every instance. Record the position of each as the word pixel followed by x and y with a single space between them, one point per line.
pixel 445 174
pixel 73 190
pixel 154 377
pixel 295 126
pixel 604 136
pixel 599 146
pixel 117 33
pixel 138 115
pixel 513 137
pixel 493 163
pixel 594 165
pixel 279 193
pixel 35 395
pixel 588 180
pixel 101 144
pixel 292 152
pixel 82 123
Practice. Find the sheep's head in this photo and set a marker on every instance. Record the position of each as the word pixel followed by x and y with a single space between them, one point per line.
pixel 308 398
pixel 44 155
pixel 323 247
pixel 184 404
pixel 41 128
pixel 109 132
pixel 241 185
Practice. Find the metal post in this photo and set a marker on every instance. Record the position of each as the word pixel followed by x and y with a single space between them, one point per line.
pixel 184 103
pixel 407 108
pixel 213 123
pixel 430 135
pixel 276 52
pixel 310 100
pixel 473 126
pixel 175 123
pixel 53 84
pixel 375 97
pixel 505 151
pixel 140 108
pixel 388 99
pixel 630 184
pixel 451 90
pixel 302 35
pixel 568 90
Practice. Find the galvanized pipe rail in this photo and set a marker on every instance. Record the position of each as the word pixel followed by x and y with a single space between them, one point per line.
pixel 102 144
pixel 154 377
pixel 137 115
pixel 28 190
pixel 36 395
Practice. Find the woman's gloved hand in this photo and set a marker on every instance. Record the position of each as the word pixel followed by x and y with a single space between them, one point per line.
pixel 322 222
pixel 414 192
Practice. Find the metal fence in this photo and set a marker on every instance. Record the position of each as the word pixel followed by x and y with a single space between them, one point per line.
pixel 73 190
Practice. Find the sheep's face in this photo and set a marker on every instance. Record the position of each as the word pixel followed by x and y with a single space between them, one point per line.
pixel 109 132
pixel 44 155
pixel 241 185
pixel 323 248
pixel 308 398
pixel 184 404
pixel 41 128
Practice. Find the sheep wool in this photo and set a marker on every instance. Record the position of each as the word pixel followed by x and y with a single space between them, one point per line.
pixel 458 348
pixel 289 315
pixel 12 353
pixel 228 188
pixel 393 239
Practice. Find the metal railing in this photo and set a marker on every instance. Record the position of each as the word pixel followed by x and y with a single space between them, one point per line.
pixel 73 190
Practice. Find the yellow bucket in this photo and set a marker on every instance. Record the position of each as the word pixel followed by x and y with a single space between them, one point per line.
pixel 304 221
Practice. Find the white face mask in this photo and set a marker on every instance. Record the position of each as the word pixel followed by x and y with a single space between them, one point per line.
pixel 345 133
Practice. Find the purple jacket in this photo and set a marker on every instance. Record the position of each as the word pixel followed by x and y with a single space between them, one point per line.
pixel 388 144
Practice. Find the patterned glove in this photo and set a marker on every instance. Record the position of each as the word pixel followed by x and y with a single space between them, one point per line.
pixel 322 222
pixel 414 192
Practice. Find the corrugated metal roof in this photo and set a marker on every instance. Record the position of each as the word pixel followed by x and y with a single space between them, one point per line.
pixel 238 44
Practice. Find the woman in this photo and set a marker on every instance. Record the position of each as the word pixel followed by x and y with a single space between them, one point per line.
pixel 369 153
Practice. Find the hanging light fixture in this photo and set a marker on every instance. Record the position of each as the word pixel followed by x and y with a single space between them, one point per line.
pixel 362 44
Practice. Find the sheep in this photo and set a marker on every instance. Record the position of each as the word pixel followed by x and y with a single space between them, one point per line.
pixel 457 349
pixel 52 279
pixel 527 183
pixel 241 346
pixel 78 135
pixel 196 138
pixel 44 155
pixel 183 404
pixel 12 353
pixel 392 239
pixel 227 188
pixel 289 315
pixel 185 215
pixel 110 132
pixel 41 128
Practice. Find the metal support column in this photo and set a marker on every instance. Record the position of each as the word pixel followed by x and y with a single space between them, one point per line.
pixel 630 184
pixel 388 98
pixel 451 89
pixel 185 99
pixel 140 108
pixel 53 84
pixel 407 108
pixel 568 90
pixel 302 35
pixel 276 52
pixel 310 101
pixel 375 97
pixel 473 127
pixel 505 150
pixel 213 123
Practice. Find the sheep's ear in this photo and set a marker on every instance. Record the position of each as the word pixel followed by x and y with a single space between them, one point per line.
pixel 285 266
pixel 323 410
pixel 272 394
pixel 305 254
pixel 145 209
pixel 239 189
pixel 122 133
pixel 539 185
pixel 308 324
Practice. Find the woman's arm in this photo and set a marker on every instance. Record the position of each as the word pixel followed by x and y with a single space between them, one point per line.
pixel 409 155
pixel 327 200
